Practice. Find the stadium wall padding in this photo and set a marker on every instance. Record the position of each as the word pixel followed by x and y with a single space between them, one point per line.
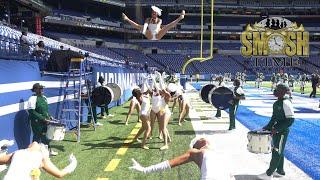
pixel 16 80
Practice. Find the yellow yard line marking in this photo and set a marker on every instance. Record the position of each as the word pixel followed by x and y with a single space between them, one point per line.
pixel 112 165
pixel 122 150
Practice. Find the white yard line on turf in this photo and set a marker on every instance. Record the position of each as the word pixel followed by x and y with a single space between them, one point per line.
pixel 231 147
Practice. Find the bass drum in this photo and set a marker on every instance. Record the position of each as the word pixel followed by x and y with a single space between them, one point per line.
pixel 116 89
pixel 204 92
pixel 221 98
pixel 102 96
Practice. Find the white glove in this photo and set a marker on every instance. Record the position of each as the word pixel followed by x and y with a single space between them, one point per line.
pixel 136 166
pixel 158 75
pixel 6 143
pixel 153 168
pixel 72 166
pixel 144 30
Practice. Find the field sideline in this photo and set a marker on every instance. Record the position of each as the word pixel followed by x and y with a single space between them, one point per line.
pixel 97 149
pixel 307 89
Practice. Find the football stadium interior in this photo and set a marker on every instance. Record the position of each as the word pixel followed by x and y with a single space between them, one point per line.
pixel 87 77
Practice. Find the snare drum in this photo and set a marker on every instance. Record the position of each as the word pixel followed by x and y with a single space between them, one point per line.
pixel 259 142
pixel 56 131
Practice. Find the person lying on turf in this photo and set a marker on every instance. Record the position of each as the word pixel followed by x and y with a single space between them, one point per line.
pixel 25 164
pixel 201 153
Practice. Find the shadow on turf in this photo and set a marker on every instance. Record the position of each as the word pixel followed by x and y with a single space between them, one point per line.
pixel 200 132
pixel 117 122
pixel 112 139
pixel 58 147
pixel 245 177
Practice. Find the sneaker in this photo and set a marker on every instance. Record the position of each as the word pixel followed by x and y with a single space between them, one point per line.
pixel 53 153
pixel 276 174
pixel 110 115
pixel 164 147
pixel 264 176
pixel 138 140
pixel 99 124
pixel 145 147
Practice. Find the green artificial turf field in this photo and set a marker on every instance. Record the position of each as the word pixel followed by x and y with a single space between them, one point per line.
pixel 98 148
pixel 307 88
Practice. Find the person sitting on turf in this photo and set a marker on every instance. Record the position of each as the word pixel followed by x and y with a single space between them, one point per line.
pixel 201 153
pixel 282 118
pixel 25 164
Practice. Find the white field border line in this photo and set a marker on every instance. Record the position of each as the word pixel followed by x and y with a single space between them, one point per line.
pixel 199 127
pixel 12 108
pixel 12 87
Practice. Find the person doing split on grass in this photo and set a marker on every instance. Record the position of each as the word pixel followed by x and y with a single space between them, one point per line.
pixel 281 120
pixel 201 153
pixel 238 95
pixel 39 116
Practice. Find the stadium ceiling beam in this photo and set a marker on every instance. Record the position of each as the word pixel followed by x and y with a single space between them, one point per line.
pixel 36 5
pixel 110 2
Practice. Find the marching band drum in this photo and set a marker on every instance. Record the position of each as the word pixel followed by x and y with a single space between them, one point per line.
pixel 56 131
pixel 259 142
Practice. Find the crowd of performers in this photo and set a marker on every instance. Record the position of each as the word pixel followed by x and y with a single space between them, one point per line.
pixel 151 102
pixel 299 80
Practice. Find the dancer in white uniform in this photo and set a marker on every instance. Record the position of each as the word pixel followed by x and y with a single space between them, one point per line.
pixel 184 105
pixel 178 94
pixel 25 164
pixel 160 109
pixel 143 98
pixel 201 154
pixel 134 104
pixel 152 28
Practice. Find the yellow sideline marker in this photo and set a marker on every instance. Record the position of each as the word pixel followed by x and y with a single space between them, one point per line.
pixel 122 151
pixel 112 165
pixel 102 178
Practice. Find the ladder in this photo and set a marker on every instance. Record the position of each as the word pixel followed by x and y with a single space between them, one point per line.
pixel 76 96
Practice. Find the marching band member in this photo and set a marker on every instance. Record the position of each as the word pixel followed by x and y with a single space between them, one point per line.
pixel 282 118
pixel 220 83
pixel 200 153
pixel 26 163
pixel 152 28
pixel 238 95
pixel 39 116
pixel 273 81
